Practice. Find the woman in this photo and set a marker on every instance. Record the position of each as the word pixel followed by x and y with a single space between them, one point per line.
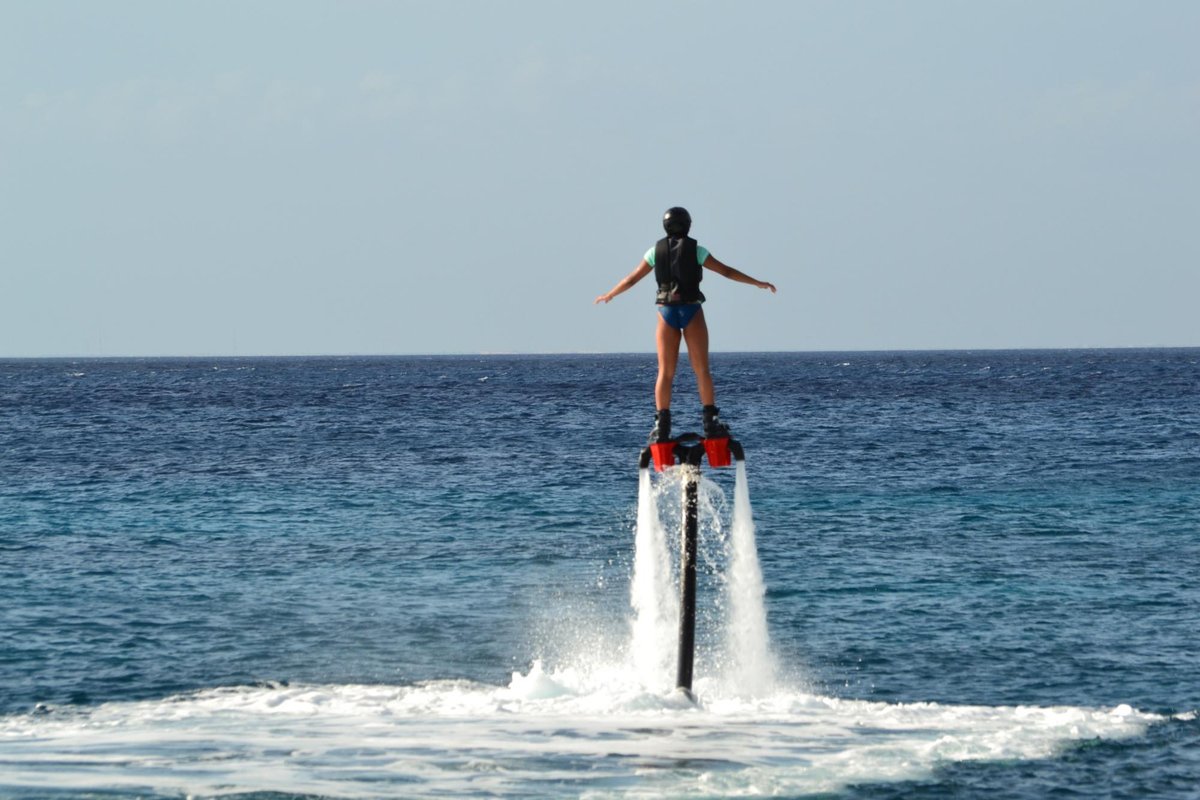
pixel 677 260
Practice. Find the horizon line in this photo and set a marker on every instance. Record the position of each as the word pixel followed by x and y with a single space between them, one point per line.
pixel 516 353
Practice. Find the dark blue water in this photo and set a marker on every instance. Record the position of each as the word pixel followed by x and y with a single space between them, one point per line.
pixel 992 528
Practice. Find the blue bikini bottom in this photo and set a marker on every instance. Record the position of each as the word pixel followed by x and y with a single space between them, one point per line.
pixel 678 317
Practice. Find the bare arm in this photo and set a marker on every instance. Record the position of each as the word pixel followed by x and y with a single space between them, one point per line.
pixel 641 271
pixel 727 271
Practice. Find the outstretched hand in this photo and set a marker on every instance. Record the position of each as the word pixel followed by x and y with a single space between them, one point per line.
pixel 766 285
pixel 602 299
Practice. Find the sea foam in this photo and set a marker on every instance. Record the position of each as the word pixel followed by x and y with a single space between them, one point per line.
pixel 462 737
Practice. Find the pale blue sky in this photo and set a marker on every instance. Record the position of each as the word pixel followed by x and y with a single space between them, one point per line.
pixel 245 178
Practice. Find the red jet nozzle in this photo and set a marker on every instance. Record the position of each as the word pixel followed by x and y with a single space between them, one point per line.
pixel 663 454
pixel 717 451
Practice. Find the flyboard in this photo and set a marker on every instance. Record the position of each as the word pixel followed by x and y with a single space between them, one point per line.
pixel 689 451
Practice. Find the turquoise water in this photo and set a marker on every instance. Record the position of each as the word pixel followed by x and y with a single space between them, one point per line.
pixel 412 577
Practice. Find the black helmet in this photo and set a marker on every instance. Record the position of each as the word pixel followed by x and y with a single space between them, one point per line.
pixel 677 221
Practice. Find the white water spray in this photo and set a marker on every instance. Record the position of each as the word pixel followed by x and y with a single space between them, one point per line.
pixel 749 659
pixel 652 594
pixel 744 665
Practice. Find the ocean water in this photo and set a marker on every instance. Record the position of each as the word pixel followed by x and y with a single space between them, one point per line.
pixel 937 574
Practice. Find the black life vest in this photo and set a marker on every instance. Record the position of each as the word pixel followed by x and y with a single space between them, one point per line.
pixel 677 272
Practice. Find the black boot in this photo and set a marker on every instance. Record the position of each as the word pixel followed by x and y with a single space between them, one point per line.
pixel 662 426
pixel 713 427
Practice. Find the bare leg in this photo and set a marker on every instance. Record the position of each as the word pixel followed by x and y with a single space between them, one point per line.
pixel 696 336
pixel 668 356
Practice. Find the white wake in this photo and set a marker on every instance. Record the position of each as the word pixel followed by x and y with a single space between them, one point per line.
pixel 547 732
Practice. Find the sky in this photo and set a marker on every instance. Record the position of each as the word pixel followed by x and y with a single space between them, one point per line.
pixel 287 177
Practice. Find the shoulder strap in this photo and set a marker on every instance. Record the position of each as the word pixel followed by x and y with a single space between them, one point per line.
pixel 662 262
